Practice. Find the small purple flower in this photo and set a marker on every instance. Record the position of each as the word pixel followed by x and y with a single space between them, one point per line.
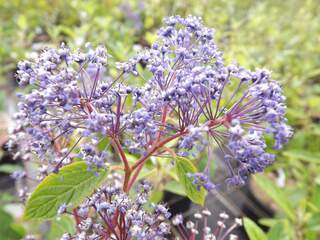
pixel 61 210
pixel 202 180
pixel 18 174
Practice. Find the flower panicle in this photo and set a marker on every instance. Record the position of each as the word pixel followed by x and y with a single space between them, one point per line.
pixel 125 218
pixel 192 97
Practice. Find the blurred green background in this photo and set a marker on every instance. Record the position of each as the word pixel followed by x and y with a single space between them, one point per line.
pixel 283 36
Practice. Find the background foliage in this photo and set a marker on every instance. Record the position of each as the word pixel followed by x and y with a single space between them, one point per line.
pixel 283 36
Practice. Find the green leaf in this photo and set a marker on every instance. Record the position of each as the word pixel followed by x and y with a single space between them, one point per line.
pixel 253 230
pixel 183 167
pixel 10 168
pixel 268 222
pixel 65 224
pixel 103 143
pixel 70 186
pixel 156 196
pixel 303 155
pixel 145 173
pixel 276 232
pixel 6 197
pixel 18 229
pixel 277 195
pixel 315 199
pixel 203 163
pixel 313 223
pixel 175 187
pixel 9 230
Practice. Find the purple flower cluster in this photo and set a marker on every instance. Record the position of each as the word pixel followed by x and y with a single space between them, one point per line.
pixel 94 159
pixel 233 106
pixel 248 148
pixel 143 127
pixel 66 88
pixel 260 110
pixel 112 214
pixel 192 96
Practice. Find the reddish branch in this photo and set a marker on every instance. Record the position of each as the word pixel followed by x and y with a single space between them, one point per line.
pixel 157 145
pixel 76 218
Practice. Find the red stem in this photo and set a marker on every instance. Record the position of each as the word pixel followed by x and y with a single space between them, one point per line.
pixel 121 153
pixel 139 164
pixel 163 122
pixel 136 168
pixel 76 217
pixel 124 159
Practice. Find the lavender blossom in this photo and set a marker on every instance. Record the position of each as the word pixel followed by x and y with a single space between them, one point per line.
pixel 18 174
pixel 132 219
pixel 70 98
pixel 192 97
pixel 94 159
pixel 190 78
pixel 191 103
pixel 202 180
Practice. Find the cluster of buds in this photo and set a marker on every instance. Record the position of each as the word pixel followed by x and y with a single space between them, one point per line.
pixel 112 214
pixel 199 227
